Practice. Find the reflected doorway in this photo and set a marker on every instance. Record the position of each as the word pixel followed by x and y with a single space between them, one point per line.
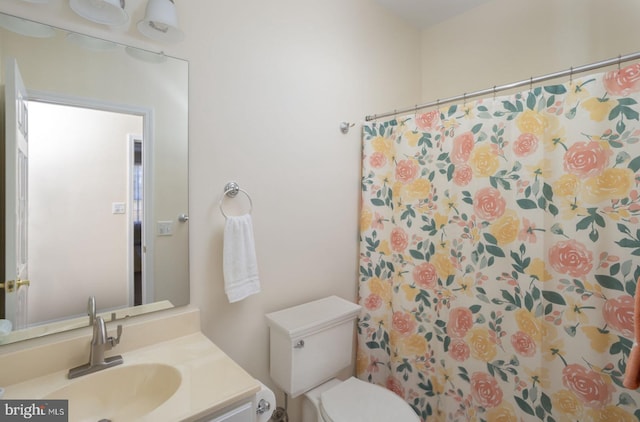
pixel 86 207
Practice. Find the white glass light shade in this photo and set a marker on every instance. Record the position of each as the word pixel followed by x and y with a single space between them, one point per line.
pixel 161 21
pixel 25 27
pixel 91 43
pixel 106 12
pixel 145 56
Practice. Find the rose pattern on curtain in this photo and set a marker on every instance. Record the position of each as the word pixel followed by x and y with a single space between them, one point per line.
pixel 499 254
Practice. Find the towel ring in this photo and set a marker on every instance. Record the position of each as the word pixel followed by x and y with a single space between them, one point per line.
pixel 231 189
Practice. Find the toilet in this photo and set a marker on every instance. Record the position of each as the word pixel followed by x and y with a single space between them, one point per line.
pixel 309 345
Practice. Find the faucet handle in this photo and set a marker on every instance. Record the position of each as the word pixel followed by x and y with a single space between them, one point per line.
pixel 116 340
pixel 91 309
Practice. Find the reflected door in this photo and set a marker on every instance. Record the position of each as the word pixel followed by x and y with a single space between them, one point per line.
pixel 16 162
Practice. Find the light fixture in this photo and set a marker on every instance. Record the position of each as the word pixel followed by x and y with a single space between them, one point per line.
pixel 106 12
pixel 161 21
pixel 91 43
pixel 26 27
pixel 145 56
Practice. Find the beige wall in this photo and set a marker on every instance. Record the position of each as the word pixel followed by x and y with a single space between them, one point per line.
pixel 271 82
pixel 505 41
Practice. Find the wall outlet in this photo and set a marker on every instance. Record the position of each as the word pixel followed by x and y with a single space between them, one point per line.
pixel 165 228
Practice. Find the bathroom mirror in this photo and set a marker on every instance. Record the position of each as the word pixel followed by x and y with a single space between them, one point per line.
pixel 107 170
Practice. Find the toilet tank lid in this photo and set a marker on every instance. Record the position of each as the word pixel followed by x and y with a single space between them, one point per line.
pixel 312 316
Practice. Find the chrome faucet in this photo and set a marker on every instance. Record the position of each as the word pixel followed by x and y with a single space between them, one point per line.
pixel 100 343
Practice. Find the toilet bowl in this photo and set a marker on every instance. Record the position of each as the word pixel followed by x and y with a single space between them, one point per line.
pixel 354 400
pixel 309 345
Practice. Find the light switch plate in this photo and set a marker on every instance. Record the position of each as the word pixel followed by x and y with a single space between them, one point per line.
pixel 118 208
pixel 165 228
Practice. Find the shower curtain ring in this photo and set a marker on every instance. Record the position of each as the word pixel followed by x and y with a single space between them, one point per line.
pixel 571 76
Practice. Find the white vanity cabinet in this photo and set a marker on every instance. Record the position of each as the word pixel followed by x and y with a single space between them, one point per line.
pixel 244 412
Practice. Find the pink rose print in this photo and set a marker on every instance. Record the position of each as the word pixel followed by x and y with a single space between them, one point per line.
pixel 373 302
pixel 489 204
pixel 523 344
pixel 462 175
pixel 526 144
pixel 425 275
pixel 459 350
pixel 588 385
pixel 427 121
pixel 571 257
pixel 399 240
pixel 485 390
pixel 395 386
pixel 406 171
pixel 377 160
pixel 462 147
pixel 618 313
pixel 404 323
pixel 624 81
pixel 586 159
pixel 460 321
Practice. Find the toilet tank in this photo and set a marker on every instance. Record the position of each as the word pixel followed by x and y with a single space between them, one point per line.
pixel 311 343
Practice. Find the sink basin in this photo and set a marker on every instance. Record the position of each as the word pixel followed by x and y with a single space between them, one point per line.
pixel 120 393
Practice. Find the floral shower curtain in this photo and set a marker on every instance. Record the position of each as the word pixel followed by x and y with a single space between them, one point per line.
pixel 500 250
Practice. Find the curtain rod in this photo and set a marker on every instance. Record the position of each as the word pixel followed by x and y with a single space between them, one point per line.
pixel 530 81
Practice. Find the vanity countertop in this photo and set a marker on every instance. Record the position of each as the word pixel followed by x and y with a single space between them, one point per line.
pixel 211 380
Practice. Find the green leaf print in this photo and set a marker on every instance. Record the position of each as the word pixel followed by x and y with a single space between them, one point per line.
pixel 553 297
pixel 555 89
pixel 609 282
pixel 526 204
pixel 524 406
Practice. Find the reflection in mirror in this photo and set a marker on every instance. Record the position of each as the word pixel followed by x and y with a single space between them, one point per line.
pixel 105 169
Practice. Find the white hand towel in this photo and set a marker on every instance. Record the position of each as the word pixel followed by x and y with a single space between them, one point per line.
pixel 239 263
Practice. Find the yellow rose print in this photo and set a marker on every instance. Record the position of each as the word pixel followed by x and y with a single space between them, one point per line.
pixel 600 340
pixel 611 414
pixel 538 270
pixel 567 186
pixel 443 264
pixel 566 403
pixel 418 189
pixel 506 228
pixel 482 345
pixel 365 219
pixel 504 413
pixel 532 122
pixel 528 323
pixel 598 108
pixel 412 137
pixel 484 160
pixel 381 288
pixel 613 183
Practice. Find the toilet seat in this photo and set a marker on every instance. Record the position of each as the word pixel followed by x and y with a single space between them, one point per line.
pixel 354 400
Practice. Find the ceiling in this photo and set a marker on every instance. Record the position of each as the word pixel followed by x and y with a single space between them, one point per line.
pixel 426 13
